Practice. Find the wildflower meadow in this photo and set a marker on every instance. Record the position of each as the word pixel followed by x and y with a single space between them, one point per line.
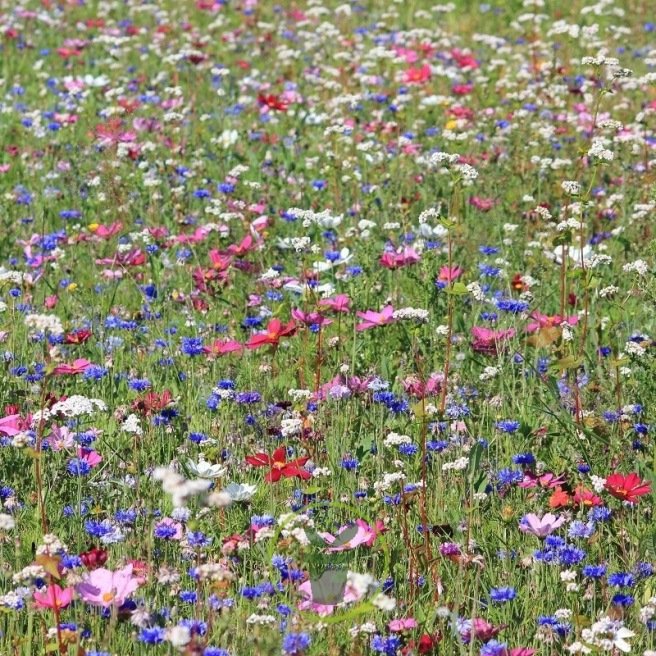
pixel 327 327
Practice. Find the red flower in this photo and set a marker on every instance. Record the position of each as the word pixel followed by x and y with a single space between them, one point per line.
pixel 559 498
pixel 271 101
pixel 627 487
pixel 279 467
pixel 77 336
pixel 274 331
pixel 94 558
pixel 585 497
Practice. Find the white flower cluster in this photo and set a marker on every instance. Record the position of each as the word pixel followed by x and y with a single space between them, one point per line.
pixel 440 158
pixel 394 439
pixel 14 277
pixel 414 314
pixel 599 152
pixel 388 481
pixel 76 406
pixel 7 522
pixel 639 266
pixel 45 323
pixel 489 373
pixel 131 425
pixel 571 187
pixel 299 394
pixel 456 465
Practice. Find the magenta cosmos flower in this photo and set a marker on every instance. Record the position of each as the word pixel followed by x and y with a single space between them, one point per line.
pixel 364 534
pixel 372 319
pixel 102 587
pixel 540 526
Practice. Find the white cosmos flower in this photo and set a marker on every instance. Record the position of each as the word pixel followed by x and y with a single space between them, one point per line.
pixel 240 491
pixel 573 252
pixel 204 469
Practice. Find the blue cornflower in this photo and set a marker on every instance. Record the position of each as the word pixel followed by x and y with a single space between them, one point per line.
pixel 296 643
pixel 78 467
pixel 248 397
pixel 494 648
pixel 387 645
pixel 594 571
pixel 643 570
pixel 95 372
pixel 526 459
pixel 192 346
pixel 511 305
pixel 350 463
pixel 599 514
pixel 408 449
pixel 622 599
pixel 139 384
pixel 579 529
pixel 502 595
pixel 621 580
pixel 152 636
pixel 508 425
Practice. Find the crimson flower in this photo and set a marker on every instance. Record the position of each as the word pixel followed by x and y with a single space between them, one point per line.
pixel 272 102
pixel 94 557
pixel 627 487
pixel 77 336
pixel 274 331
pixel 279 467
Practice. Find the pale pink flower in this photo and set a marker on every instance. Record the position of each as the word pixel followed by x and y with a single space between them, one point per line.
pixel 102 587
pixel 540 526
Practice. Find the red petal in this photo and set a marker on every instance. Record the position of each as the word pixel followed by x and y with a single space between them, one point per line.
pixel 290 470
pixel 273 476
pixel 259 460
pixel 279 455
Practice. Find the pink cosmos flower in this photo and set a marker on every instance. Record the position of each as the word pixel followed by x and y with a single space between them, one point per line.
pixel 54 597
pixel 12 425
pixel 545 321
pixel 395 260
pixel 91 457
pixel 78 366
pixel 482 630
pixel 548 480
pixel 310 318
pixel 483 204
pixel 416 387
pixel 339 303
pixel 540 526
pixel 365 535
pixel 102 587
pixel 223 347
pixel 450 274
pixel 488 341
pixel 417 75
pixel 402 624
pixel 351 594
pixel 61 438
pixel 107 232
pixel 374 319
